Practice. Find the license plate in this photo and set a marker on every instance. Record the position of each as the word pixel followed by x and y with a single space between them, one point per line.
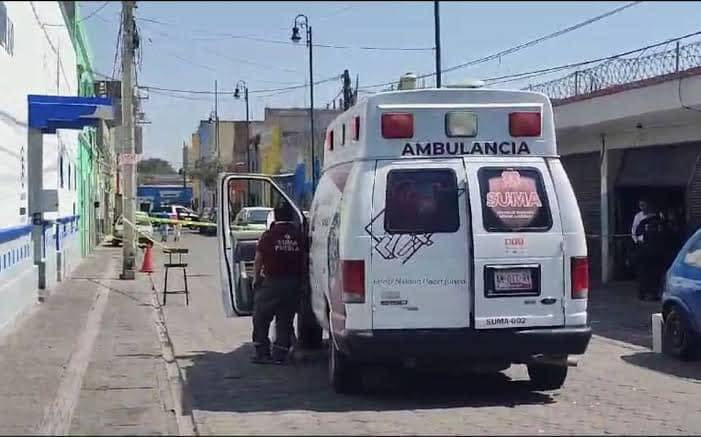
pixel 513 280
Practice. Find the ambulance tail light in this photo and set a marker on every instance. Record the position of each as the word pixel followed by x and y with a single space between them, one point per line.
pixel 524 124
pixel 580 277
pixel 397 125
pixel 353 274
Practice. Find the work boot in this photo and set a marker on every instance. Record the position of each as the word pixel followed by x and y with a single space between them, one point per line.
pixel 280 355
pixel 262 356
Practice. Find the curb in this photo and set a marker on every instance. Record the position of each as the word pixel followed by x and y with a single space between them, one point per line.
pixel 181 403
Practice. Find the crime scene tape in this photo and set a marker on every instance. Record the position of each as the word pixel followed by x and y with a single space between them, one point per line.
pixel 181 222
pixel 148 237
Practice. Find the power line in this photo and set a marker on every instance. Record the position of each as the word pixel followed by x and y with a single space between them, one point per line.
pixel 545 38
pixel 544 71
pixel 261 91
pixel 223 35
pixel 520 46
pixel 93 13
pixel 229 58
pixel 116 50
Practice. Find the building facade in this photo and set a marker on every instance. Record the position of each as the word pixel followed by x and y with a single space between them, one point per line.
pixel 36 59
pixel 285 148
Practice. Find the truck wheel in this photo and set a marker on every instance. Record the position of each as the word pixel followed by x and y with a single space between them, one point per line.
pixel 344 375
pixel 309 332
pixel 547 376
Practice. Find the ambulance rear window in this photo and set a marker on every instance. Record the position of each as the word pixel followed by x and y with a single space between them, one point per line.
pixel 421 201
pixel 514 200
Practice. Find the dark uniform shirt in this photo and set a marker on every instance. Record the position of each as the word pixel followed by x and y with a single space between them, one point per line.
pixel 283 250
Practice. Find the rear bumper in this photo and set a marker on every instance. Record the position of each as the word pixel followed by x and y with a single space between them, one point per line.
pixel 454 344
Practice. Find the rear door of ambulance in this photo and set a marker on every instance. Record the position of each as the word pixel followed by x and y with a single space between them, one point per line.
pixel 517 232
pixel 420 271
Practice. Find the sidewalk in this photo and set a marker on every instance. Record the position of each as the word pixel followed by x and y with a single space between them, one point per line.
pixel 616 312
pixel 88 360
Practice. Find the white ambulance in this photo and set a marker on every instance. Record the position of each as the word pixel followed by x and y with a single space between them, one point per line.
pixel 444 230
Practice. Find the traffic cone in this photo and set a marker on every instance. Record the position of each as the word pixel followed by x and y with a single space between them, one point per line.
pixel 147 266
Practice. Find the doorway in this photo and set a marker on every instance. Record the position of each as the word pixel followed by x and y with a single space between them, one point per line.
pixel 670 201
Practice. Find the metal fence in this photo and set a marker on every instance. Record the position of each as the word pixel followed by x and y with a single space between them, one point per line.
pixel 667 58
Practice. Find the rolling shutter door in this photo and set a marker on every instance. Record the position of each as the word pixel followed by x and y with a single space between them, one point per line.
pixel 659 166
pixel 584 173
pixel 693 196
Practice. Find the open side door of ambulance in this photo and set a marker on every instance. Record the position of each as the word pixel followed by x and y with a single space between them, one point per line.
pixel 236 247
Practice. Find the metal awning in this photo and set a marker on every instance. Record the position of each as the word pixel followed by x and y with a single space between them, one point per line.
pixel 48 113
pixel 659 166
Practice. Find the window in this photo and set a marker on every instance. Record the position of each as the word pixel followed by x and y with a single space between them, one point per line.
pixel 3 25
pixel 692 257
pixel 7 30
pixel 421 201
pixel 330 140
pixel 258 216
pixel 343 134
pixel 60 170
pixel 513 200
pixel 69 175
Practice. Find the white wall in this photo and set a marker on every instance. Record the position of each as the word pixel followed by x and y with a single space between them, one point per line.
pixel 661 97
pixel 648 116
pixel 43 62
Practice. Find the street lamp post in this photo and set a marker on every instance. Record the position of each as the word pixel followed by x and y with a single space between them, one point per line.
pixel 301 20
pixel 237 95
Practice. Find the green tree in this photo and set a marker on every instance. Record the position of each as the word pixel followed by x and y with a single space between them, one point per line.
pixel 155 166
pixel 207 171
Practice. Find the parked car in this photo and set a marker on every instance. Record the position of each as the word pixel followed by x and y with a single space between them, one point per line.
pixel 176 212
pixel 250 223
pixel 681 302
pixel 143 225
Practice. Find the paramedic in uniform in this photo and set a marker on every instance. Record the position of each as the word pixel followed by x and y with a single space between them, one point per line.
pixel 280 265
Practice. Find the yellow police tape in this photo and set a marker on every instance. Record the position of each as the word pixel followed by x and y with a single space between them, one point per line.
pixel 181 222
pixel 147 236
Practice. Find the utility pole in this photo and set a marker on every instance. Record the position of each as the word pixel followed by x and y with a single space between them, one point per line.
pixel 216 121
pixel 128 155
pixel 437 28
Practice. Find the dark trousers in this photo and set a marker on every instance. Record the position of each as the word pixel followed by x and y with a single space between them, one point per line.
pixel 650 273
pixel 276 298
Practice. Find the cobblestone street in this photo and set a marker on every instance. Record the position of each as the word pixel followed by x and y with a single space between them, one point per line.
pixel 620 386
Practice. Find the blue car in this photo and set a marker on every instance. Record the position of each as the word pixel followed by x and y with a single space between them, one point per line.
pixel 681 302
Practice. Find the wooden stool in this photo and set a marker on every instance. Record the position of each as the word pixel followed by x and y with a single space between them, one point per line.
pixel 176 265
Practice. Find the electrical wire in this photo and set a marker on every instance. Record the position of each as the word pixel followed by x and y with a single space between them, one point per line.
pixel 116 51
pixel 520 46
pixel 87 17
pixel 261 91
pixel 221 36
pixel 544 71
pixel 229 58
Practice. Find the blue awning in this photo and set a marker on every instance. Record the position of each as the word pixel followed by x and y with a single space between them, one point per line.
pixel 48 113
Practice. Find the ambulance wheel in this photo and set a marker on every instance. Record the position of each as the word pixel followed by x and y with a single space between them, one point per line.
pixel 309 332
pixel 344 375
pixel 547 376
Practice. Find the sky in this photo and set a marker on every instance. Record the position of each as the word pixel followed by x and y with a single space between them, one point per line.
pixel 188 45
